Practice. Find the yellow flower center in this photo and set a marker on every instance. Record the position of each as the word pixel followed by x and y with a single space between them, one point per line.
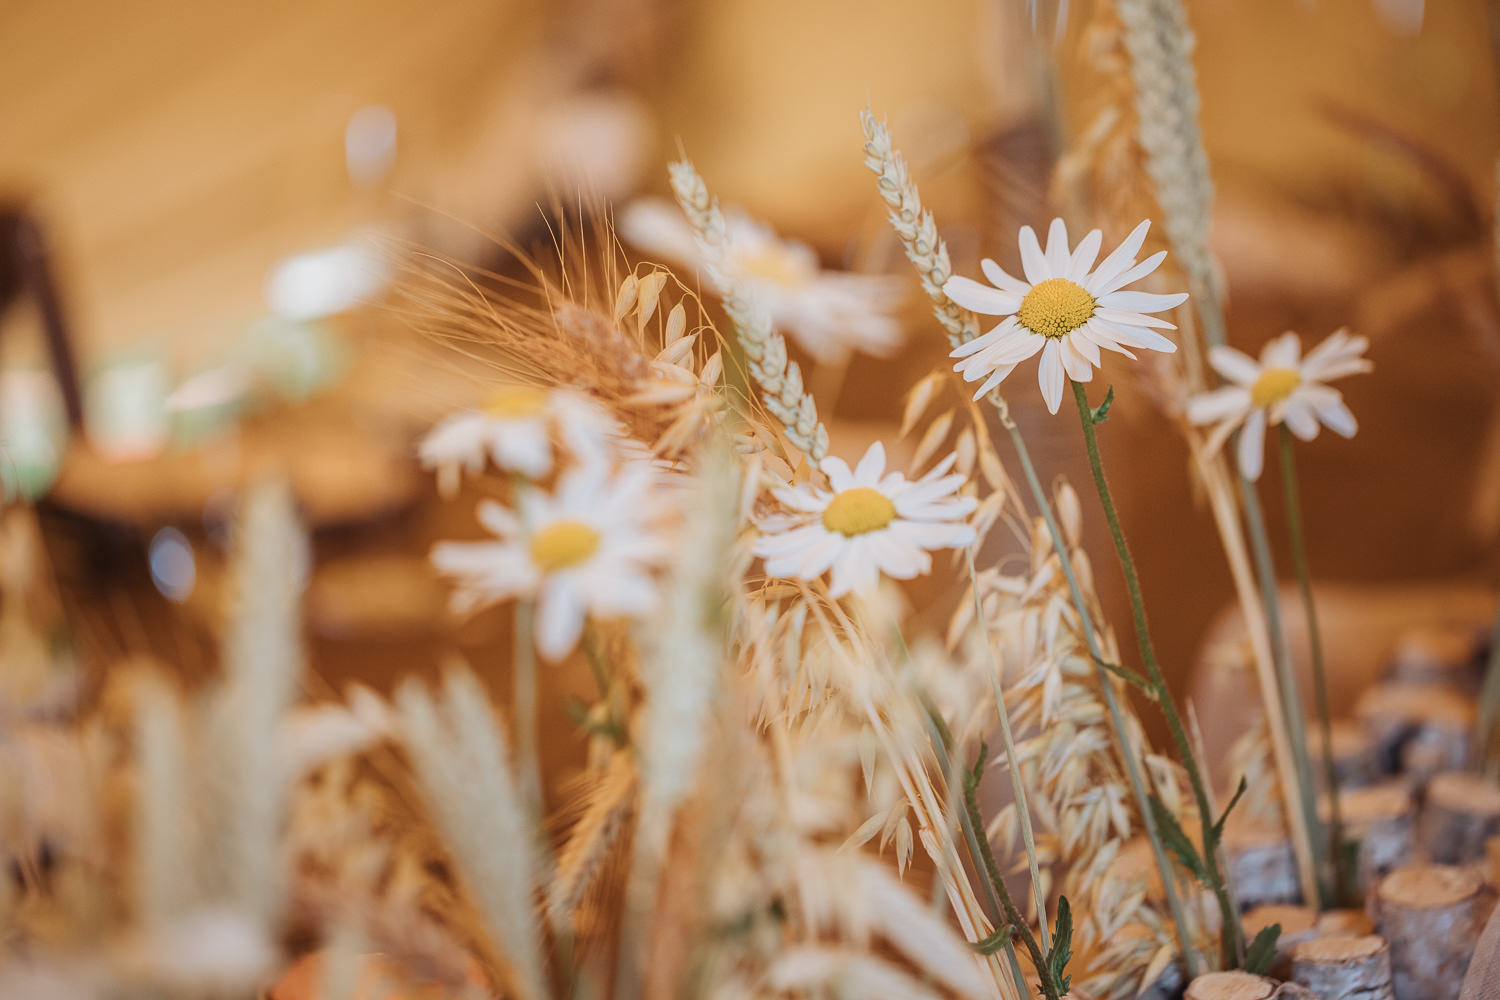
pixel 774 264
pixel 563 544
pixel 516 401
pixel 1056 307
pixel 857 511
pixel 1274 385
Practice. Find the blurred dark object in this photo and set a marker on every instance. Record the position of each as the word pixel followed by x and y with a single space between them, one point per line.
pixel 26 270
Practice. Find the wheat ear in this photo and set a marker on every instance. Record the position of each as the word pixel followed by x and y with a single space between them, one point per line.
pixel 780 379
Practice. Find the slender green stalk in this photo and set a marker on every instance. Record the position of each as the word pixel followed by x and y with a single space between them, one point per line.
pixel 1342 877
pixel 973 830
pixel 1489 708
pixel 1017 786
pixel 1291 693
pixel 1013 916
pixel 1231 940
pixel 1107 688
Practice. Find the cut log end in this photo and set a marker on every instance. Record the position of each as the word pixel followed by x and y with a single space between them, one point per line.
pixel 1345 967
pixel 1461 812
pixel 1230 986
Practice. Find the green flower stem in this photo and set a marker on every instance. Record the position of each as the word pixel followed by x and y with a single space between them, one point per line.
pixel 1013 916
pixel 1281 655
pixel 1017 786
pixel 1343 880
pixel 942 741
pixel 1107 687
pixel 1231 940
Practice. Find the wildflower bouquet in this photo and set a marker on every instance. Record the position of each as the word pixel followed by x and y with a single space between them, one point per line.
pixel 785 786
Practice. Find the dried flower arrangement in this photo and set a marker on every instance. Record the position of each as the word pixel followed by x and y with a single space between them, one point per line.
pixel 782 795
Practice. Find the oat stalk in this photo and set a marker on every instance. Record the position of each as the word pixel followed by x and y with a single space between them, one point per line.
pixel 779 378
pixel 1012 759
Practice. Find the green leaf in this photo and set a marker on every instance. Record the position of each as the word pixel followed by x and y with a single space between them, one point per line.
pixel 1130 677
pixel 1062 942
pixel 1175 840
pixel 1100 413
pixel 1218 828
pixel 994 942
pixel 1262 950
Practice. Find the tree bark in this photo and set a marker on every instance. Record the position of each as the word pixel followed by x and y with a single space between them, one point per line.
pixel 1381 818
pixel 1262 866
pixel 1434 721
pixel 1345 967
pixel 1461 812
pixel 1429 914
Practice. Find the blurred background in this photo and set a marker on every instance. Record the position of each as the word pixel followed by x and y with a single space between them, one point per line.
pixel 204 209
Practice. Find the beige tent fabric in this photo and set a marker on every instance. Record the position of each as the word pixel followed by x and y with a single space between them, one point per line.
pixel 1483 979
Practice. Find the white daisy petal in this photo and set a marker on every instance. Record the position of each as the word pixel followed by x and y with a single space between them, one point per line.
pixel 982 299
pixel 1120 317
pixel 1251 448
pixel 1300 419
pixel 839 476
pixel 1337 418
pixel 1075 364
pixel 1002 279
pixel 559 620
pixel 996 377
pixel 1135 336
pixel 1281 352
pixel 1085 345
pixel 1117 262
pixel 1237 367
pixel 1033 261
pixel 1134 273
pixel 871 466
pixel 1142 302
pixel 1050 376
pixel 1059 259
pixel 1084 257
pixel 1209 407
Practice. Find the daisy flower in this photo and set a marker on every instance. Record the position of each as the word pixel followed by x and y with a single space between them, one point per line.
pixel 828 313
pixel 514 428
pixel 1066 308
pixel 588 549
pixel 868 523
pixel 1282 387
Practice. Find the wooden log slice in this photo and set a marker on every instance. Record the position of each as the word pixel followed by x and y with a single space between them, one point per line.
pixel 1429 914
pixel 1460 813
pixel 1350 923
pixel 1355 761
pixel 1262 865
pixel 1345 967
pixel 1382 818
pixel 1436 720
pixel 1230 986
